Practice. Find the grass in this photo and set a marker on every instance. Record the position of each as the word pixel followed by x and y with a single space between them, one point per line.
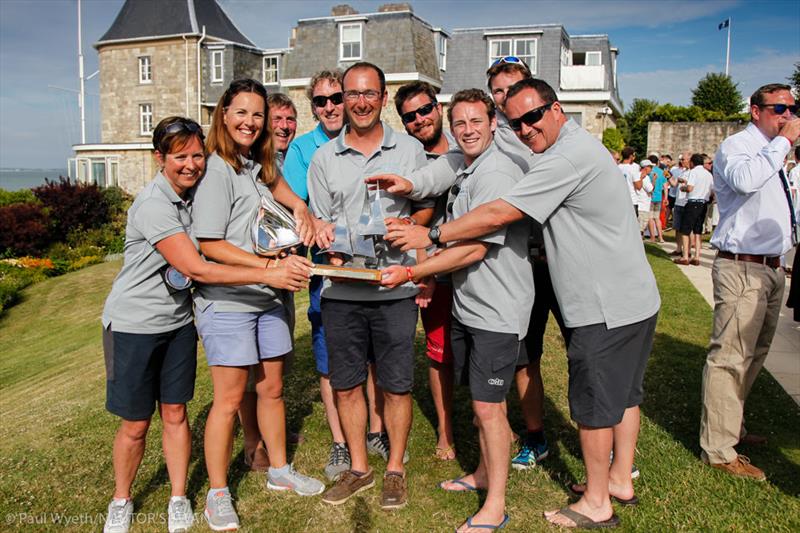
pixel 55 437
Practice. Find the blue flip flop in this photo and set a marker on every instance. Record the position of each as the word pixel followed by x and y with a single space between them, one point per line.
pixel 489 527
pixel 458 481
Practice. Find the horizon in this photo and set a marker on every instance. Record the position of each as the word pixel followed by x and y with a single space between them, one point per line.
pixel 665 48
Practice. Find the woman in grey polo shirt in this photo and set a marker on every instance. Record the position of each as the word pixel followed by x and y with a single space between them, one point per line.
pixel 149 336
pixel 247 325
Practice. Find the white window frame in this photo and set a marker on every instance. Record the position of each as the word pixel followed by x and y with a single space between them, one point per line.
pixel 441 50
pixel 217 62
pixel 594 53
pixel 276 70
pixel 512 47
pixel 145 119
pixel 145 69
pixel 360 41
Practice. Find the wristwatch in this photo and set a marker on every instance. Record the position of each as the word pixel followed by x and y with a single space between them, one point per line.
pixel 433 235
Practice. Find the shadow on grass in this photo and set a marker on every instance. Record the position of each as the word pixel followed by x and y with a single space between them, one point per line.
pixel 361 515
pixel 672 400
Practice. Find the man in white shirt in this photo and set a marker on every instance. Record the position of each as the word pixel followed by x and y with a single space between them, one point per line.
pixel 756 227
pixel 632 174
pixel 698 190
pixel 644 194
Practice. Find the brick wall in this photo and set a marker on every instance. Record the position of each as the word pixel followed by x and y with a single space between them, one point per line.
pixel 697 137
pixel 121 93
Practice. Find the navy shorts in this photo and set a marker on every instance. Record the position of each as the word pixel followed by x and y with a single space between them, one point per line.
pixel 145 368
pixel 606 370
pixel 484 360
pixel 354 329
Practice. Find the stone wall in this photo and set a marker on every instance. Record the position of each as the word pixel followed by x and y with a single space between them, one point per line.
pixel 121 93
pixel 697 137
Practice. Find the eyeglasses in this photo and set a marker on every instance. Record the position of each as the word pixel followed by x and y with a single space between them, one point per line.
pixel 780 109
pixel 508 59
pixel 422 111
pixel 369 95
pixel 530 118
pixel 454 190
pixel 322 101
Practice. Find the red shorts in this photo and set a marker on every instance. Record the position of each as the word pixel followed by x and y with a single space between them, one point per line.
pixel 436 321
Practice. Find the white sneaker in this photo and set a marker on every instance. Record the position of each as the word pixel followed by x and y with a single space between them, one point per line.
pixel 120 514
pixel 180 515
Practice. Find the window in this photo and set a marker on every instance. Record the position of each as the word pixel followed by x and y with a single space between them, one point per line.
pixel 586 58
pixel 349 42
pixel 145 119
pixel 270 70
pixel 145 71
pixel 216 66
pixel 441 50
pixel 525 49
pixel 565 59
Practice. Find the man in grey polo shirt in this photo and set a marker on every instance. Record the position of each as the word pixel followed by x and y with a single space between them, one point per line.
pixel 603 283
pixel 358 314
pixel 493 297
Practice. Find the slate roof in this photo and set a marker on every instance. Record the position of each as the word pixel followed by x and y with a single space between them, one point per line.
pixel 151 19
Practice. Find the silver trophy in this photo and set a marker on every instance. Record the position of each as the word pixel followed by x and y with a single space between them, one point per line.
pixel 273 229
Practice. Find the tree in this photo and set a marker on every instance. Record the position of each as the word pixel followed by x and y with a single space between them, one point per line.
pixel 717 92
pixel 634 127
pixel 794 79
pixel 612 139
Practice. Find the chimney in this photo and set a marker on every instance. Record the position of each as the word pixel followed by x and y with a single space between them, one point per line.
pixel 342 10
pixel 387 8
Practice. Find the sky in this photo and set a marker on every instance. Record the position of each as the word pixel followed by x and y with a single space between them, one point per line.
pixel 665 48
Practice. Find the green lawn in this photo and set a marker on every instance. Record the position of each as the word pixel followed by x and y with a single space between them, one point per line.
pixel 55 437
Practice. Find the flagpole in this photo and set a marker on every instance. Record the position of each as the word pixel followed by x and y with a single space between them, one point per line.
pixel 728 52
pixel 82 92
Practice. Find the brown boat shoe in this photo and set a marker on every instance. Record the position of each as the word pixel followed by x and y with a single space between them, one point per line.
pixel 394 494
pixel 741 467
pixel 348 484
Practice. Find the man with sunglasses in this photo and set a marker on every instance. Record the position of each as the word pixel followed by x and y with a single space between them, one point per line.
pixel 360 317
pixel 421 115
pixel 605 287
pixel 757 226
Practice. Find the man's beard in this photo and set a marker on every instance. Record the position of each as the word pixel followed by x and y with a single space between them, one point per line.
pixel 431 141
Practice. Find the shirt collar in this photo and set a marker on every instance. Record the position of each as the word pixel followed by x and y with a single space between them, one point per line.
pixel 502 119
pixel 165 187
pixel 389 138
pixel 475 164
pixel 319 136
pixel 757 133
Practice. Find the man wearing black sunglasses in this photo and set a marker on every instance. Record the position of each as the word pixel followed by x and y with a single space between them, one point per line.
pixel 605 287
pixel 757 226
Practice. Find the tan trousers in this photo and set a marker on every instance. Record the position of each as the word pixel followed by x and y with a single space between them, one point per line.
pixel 747 300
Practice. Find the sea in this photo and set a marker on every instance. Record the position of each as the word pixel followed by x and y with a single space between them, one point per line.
pixel 15 179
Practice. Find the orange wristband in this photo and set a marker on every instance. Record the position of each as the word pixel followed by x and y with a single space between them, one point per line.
pixel 410 274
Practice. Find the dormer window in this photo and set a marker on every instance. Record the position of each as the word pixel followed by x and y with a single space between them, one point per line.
pixel 441 50
pixel 524 48
pixel 271 75
pixel 350 41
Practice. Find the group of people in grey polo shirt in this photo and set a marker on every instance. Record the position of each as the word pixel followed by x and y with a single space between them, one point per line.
pixel 492 186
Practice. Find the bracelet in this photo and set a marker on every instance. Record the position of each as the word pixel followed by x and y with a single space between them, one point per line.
pixel 410 274
pixel 409 220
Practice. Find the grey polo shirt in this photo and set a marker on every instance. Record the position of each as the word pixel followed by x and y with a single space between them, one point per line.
pixel 139 301
pixel 336 178
pixel 225 205
pixel 495 294
pixel 597 262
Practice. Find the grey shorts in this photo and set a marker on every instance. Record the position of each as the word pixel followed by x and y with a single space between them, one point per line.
pixel 145 368
pixel 484 360
pixel 606 370
pixel 386 328
pixel 243 339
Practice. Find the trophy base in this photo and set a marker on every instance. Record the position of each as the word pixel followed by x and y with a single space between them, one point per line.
pixel 365 274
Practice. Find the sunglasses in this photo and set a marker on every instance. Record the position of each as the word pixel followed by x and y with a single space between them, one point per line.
pixel 454 190
pixel 422 111
pixel 182 125
pixel 322 101
pixel 508 59
pixel 530 118
pixel 780 109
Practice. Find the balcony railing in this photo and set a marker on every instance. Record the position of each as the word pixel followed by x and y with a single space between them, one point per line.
pixel 583 77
